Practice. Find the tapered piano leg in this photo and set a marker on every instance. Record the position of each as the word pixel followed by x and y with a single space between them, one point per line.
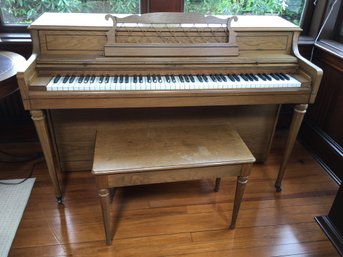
pixel 298 115
pixel 39 120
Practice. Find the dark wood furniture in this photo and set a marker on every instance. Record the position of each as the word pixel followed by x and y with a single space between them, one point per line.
pixel 9 64
pixel 77 44
pixel 12 111
pixel 322 128
pixel 149 6
pixel 163 152
pixel 332 224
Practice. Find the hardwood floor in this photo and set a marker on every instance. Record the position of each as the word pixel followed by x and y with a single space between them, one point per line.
pixel 184 219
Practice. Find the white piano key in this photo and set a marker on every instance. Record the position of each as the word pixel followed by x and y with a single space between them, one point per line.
pixel 165 85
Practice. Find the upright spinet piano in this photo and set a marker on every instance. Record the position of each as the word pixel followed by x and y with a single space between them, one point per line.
pixel 162 60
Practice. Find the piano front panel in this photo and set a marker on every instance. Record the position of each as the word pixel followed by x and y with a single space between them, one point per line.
pixel 74 130
pixel 69 42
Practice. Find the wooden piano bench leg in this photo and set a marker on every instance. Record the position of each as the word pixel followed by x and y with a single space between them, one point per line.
pixel 241 183
pixel 217 185
pixel 105 200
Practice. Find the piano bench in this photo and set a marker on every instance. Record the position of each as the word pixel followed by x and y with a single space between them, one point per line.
pixel 168 153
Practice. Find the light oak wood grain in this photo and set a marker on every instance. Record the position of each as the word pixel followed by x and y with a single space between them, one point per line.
pixel 75 44
pixel 164 152
pixel 181 219
pixel 75 130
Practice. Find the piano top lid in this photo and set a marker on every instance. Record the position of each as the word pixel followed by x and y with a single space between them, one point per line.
pixel 96 21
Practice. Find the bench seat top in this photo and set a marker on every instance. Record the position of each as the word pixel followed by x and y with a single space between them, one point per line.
pixel 168 147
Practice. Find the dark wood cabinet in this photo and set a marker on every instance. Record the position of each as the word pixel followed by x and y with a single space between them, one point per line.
pixel 322 127
pixel 332 224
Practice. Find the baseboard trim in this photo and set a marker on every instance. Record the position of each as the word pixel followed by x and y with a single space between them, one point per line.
pixel 327 152
pixel 331 232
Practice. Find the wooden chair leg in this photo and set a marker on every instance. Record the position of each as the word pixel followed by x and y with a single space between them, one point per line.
pixel 105 199
pixel 217 185
pixel 241 182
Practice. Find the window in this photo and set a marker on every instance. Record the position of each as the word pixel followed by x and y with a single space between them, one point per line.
pixel 333 29
pixel 24 12
pixel 331 36
pixel 15 15
pixel 289 9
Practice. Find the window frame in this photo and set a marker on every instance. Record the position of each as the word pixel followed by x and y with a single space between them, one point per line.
pixel 338 34
pixel 11 28
pixel 311 21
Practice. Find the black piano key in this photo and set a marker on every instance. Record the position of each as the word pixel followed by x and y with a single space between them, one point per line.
pixel 250 78
pixel 86 79
pixel 115 79
pixel 231 77
pixel 191 78
pixel 267 77
pixel 213 78
pixel 173 79
pixel 181 78
pixel 80 79
pixel 274 76
pixel 261 76
pixel 199 78
pixel 126 79
pixel 280 77
pixel 92 79
pixel 140 79
pixel 167 78
pixel 107 79
pixel 159 79
pixel 186 77
pixel 236 77
pixel 101 79
pixel 134 79
pixel 57 78
pixel 244 77
pixel 154 79
pixel 148 78
pixel 254 77
pixel 65 79
pixel 223 78
pixel 71 79
pixel 204 77
pixel 121 79
pixel 284 76
pixel 218 78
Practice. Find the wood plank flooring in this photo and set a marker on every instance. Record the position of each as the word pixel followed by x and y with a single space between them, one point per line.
pixel 185 219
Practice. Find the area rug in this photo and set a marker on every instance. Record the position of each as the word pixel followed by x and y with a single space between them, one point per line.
pixel 13 200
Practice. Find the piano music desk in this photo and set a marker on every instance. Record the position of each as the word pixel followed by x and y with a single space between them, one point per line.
pixel 168 153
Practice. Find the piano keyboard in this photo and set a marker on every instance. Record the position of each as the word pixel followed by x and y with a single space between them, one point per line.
pixel 170 82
